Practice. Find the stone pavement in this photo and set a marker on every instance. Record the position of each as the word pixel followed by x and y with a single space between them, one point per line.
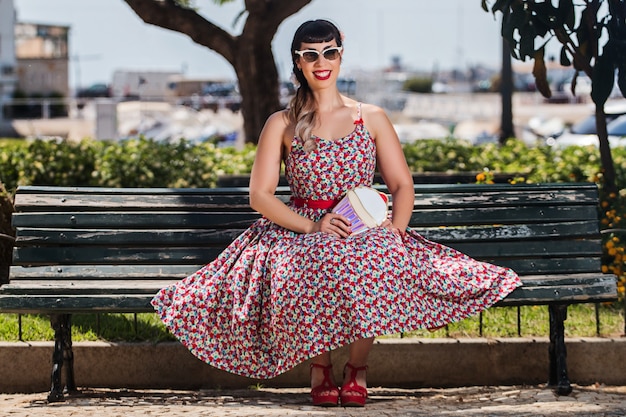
pixel 470 401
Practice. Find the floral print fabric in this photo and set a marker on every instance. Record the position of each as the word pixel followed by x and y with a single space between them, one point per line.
pixel 274 298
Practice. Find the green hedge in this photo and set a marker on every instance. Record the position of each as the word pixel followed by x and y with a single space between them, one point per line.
pixel 130 163
pixel 146 163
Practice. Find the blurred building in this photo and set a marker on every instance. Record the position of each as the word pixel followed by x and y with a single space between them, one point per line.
pixel 42 59
pixel 8 73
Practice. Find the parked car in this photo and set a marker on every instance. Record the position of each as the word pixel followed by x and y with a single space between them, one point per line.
pixel 617 131
pixel 584 132
pixel 95 90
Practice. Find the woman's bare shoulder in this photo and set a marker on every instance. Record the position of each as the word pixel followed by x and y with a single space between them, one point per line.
pixel 278 119
pixel 372 110
pixel 279 127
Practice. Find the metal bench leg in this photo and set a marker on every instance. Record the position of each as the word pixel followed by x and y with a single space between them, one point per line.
pixel 62 355
pixel 68 356
pixel 559 379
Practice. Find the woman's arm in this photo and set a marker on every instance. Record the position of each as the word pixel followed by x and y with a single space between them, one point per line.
pixel 266 174
pixel 264 180
pixel 392 165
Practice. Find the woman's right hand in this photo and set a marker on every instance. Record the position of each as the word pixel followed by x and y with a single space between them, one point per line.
pixel 334 224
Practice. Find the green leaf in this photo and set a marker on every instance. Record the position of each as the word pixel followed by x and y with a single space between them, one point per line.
pixel 500 5
pixel 484 5
pixel 603 77
pixel 621 78
pixel 519 15
pixel 565 61
pixel 544 17
pixel 566 12
pixel 541 74
pixel 527 41
pixel 583 37
pixel 509 24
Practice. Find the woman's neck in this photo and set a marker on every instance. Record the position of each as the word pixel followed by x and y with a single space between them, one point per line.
pixel 328 100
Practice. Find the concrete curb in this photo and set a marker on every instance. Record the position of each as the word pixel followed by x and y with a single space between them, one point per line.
pixel 409 363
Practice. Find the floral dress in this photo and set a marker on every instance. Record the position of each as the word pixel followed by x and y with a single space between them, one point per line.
pixel 274 298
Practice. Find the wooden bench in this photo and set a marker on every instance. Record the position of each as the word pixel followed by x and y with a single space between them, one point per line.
pixel 110 250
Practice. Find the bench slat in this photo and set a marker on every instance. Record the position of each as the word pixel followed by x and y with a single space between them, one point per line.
pixel 192 237
pixel 149 284
pixel 143 220
pixel 84 287
pixel 551 265
pixel 72 255
pixel 210 200
pixel 560 294
pixel 549 230
pixel 427 196
pixel 95 237
pixel 430 217
pixel 138 272
pixel 75 255
pixel 31 197
pixel 526 249
pixel 501 215
pixel 76 304
pixel 102 272
pixel 72 299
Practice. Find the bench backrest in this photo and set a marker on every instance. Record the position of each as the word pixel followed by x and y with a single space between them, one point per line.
pixel 166 233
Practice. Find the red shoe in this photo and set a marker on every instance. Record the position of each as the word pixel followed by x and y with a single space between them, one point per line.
pixel 325 394
pixel 352 394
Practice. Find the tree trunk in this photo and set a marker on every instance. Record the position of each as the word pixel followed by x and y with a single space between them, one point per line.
pixel 258 82
pixel 7 234
pixel 608 169
pixel 250 53
pixel 507 130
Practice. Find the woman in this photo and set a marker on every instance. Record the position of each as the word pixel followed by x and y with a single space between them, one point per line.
pixel 298 284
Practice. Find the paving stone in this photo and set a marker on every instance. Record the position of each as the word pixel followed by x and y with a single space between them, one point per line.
pixel 471 401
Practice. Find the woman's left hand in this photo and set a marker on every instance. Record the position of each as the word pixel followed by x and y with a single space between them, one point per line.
pixel 387 224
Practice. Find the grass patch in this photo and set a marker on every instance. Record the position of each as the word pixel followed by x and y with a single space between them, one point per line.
pixel 88 327
pixel 497 322
pixel 534 321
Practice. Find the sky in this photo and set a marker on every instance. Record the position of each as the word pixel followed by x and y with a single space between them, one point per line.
pixel 106 35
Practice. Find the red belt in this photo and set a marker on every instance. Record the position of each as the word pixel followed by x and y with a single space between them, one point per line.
pixel 317 204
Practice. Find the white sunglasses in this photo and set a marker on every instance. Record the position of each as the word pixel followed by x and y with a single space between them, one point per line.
pixel 311 55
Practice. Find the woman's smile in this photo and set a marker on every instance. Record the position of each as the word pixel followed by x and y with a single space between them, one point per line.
pixel 322 74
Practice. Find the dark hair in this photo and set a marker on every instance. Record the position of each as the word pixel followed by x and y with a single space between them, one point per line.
pixel 302 107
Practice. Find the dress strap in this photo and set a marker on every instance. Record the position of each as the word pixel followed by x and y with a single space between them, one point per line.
pixel 359 118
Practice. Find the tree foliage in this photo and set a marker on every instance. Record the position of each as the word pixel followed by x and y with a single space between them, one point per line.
pixel 250 52
pixel 592 36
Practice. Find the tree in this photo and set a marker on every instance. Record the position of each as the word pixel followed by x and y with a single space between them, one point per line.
pixel 507 129
pixel 250 53
pixel 592 35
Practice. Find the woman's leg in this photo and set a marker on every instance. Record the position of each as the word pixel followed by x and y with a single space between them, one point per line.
pixel 317 374
pixel 359 351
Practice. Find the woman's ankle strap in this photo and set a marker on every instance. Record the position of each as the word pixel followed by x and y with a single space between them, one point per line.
pixel 317 365
pixel 356 368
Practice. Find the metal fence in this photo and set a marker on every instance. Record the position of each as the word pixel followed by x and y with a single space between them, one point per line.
pixel 480 317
